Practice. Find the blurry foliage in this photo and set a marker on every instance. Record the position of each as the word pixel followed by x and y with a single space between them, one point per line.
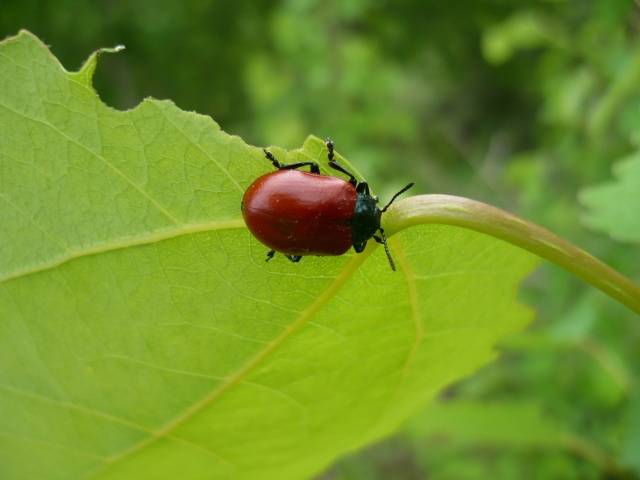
pixel 521 104
pixel 615 205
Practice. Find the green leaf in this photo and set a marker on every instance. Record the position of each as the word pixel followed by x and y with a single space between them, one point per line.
pixel 525 30
pixel 142 334
pixel 613 207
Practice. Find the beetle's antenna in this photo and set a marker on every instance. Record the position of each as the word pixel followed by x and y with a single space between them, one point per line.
pixel 396 196
pixel 386 249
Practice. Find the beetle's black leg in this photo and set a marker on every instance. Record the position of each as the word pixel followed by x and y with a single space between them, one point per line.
pixel 363 187
pixel 382 239
pixel 271 158
pixel 313 166
pixel 293 258
pixel 336 166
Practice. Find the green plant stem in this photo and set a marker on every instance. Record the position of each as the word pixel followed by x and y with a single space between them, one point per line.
pixel 478 216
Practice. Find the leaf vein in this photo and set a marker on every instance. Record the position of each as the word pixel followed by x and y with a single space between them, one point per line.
pixel 59 446
pixel 34 223
pixel 179 130
pixel 106 416
pixel 416 317
pixel 151 237
pixel 240 375
pixel 72 406
pixel 116 170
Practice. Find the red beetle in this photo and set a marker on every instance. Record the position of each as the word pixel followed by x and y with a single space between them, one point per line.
pixel 305 213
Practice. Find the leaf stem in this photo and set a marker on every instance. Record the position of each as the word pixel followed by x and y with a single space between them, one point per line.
pixel 478 216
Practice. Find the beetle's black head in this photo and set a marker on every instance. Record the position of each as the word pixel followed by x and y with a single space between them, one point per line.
pixel 366 220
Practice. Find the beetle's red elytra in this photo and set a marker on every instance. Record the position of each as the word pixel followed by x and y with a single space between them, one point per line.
pixel 305 213
pixel 301 213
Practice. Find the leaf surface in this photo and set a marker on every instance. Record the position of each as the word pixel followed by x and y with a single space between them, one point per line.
pixel 142 334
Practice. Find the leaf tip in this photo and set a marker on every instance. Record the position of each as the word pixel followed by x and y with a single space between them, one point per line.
pixel 88 68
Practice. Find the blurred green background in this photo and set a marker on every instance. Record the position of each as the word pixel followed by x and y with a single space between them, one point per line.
pixel 519 104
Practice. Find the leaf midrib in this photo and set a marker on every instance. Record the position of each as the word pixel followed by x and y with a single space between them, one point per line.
pixel 119 244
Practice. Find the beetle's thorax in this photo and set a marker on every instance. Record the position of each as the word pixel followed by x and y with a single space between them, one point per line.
pixel 366 220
